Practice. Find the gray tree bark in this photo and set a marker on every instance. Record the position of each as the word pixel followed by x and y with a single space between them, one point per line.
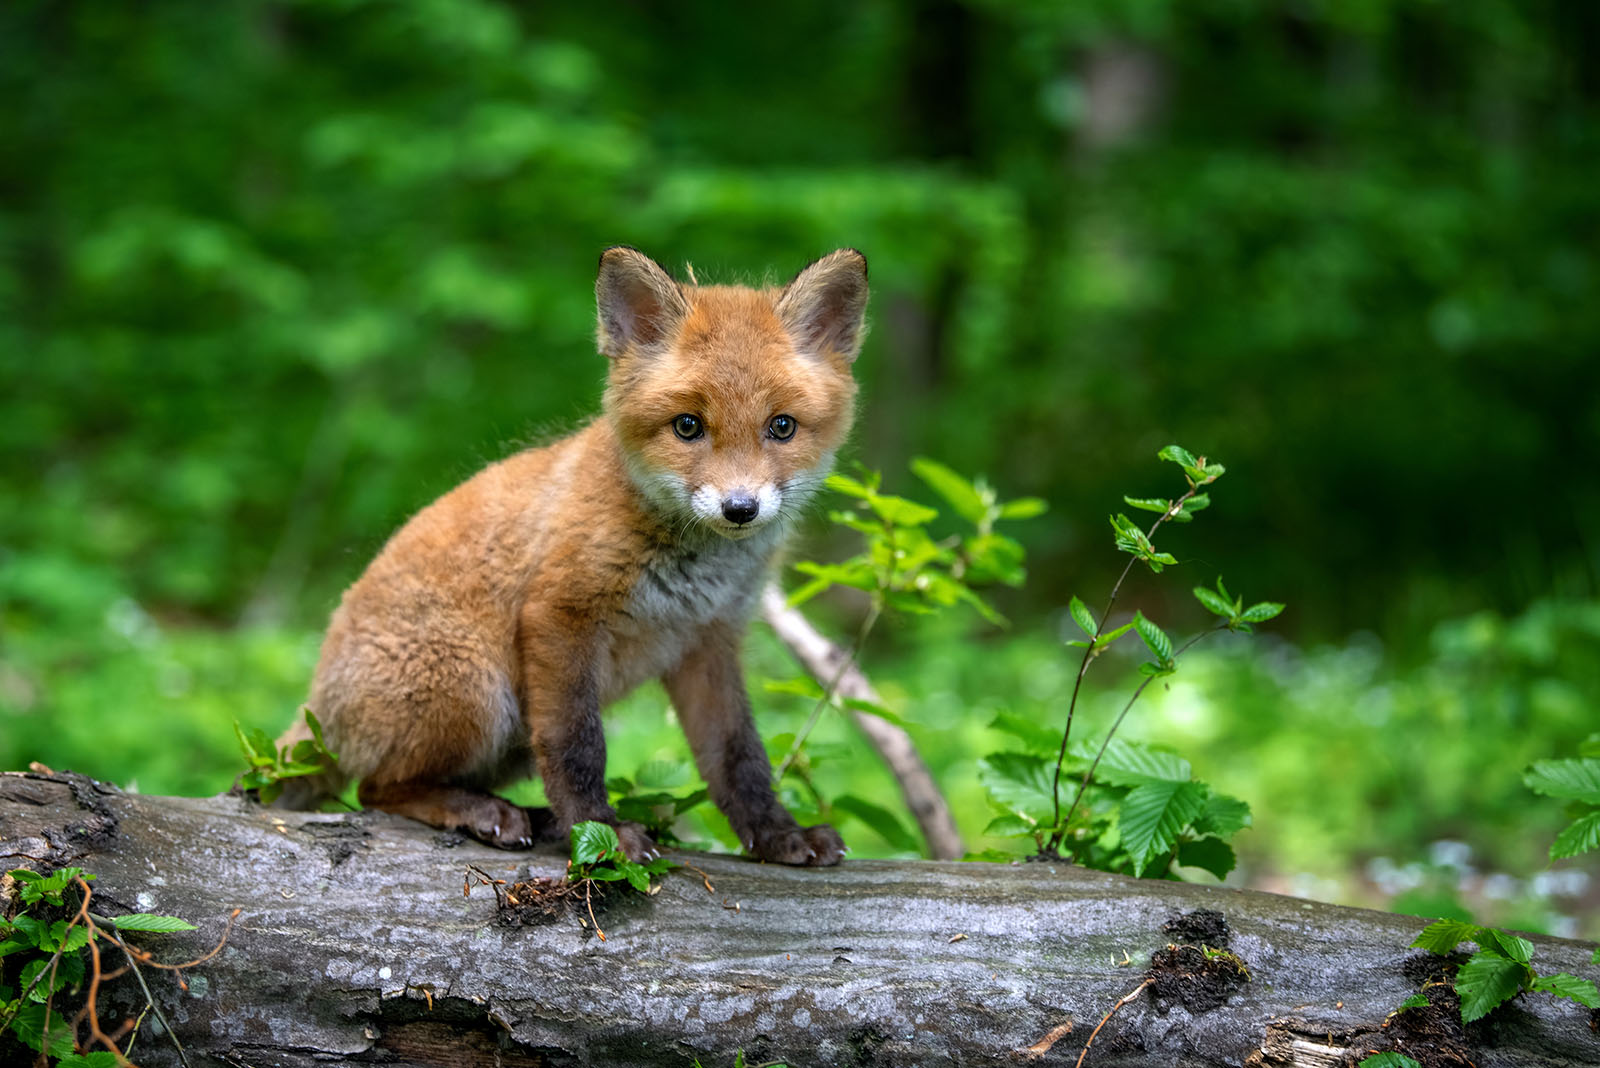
pixel 356 944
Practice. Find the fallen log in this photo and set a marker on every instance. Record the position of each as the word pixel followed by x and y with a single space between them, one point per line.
pixel 356 943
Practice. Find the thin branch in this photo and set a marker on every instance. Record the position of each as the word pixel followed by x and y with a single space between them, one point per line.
pixel 868 621
pixel 1126 998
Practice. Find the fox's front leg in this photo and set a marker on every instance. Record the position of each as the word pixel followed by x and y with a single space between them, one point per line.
pixel 562 706
pixel 708 691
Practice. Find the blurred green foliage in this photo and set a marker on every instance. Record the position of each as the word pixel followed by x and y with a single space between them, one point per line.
pixel 275 274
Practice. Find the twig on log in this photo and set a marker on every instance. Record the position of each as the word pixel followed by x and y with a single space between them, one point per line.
pixel 821 659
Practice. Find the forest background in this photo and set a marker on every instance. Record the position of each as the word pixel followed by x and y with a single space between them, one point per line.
pixel 275 274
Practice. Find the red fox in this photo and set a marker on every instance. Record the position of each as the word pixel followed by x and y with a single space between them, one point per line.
pixel 483 641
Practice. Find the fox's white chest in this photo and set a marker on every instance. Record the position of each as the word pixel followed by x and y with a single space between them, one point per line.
pixel 676 595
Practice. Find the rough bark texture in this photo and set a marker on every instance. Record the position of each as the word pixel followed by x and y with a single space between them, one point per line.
pixel 356 944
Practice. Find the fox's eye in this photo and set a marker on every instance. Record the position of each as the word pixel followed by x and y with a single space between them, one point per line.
pixel 782 427
pixel 688 427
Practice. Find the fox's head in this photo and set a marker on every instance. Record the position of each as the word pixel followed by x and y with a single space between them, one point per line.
pixel 730 402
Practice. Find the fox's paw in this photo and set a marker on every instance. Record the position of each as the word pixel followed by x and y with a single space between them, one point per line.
pixel 814 847
pixel 499 823
pixel 636 843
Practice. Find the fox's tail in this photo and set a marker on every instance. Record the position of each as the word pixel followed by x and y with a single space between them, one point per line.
pixel 308 791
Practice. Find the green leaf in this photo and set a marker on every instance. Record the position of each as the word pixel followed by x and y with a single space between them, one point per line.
pixel 1021 783
pixel 144 921
pixel 98 1059
pixel 1130 764
pixel 1035 737
pixel 1566 985
pixel 1581 836
pixel 1389 1058
pixel 1154 637
pixel 1082 616
pixel 1443 936
pixel 961 494
pixel 1574 780
pixel 1149 504
pixel 873 708
pixel 29 1023
pixel 1507 945
pixel 1213 602
pixel 848 486
pixel 881 820
pixel 1212 854
pixel 1596 958
pixel 1223 816
pixel 1178 455
pixel 637 876
pixel 1024 508
pixel 592 840
pixel 603 874
pixel 1260 613
pixel 1486 981
pixel 1415 1001
pixel 1198 503
pixel 901 512
pixel 1009 827
pixel 1153 815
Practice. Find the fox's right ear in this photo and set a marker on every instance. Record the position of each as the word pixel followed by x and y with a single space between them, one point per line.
pixel 638 303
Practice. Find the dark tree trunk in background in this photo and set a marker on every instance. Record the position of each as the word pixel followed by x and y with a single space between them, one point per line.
pixel 355 943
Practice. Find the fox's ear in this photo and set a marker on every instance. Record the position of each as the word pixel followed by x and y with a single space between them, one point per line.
pixel 638 303
pixel 825 307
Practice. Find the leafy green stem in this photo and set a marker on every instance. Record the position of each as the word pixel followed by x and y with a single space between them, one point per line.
pixel 1106 742
pixel 1089 653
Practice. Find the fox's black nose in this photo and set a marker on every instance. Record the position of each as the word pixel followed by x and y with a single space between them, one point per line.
pixel 740 507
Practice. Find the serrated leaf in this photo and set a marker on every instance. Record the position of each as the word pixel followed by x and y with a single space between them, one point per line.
pixel 1082 616
pixel 1573 780
pixel 97 1059
pixel 604 874
pixel 1443 936
pixel 1178 455
pixel 29 1026
pixel 1130 764
pixel 1024 508
pixel 1389 1058
pixel 1198 503
pixel 1260 613
pixel 637 876
pixel 1212 854
pixel 1486 981
pixel 1149 504
pixel 1154 638
pixel 1020 783
pixel 1213 602
pixel 1580 836
pixel 1112 635
pixel 1152 816
pixel 1415 1001
pixel 592 840
pixel 1566 985
pixel 881 820
pixel 1507 945
pixel 144 921
pixel 961 495
pixel 1223 816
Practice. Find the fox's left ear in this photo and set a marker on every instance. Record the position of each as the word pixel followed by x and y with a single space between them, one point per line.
pixel 825 307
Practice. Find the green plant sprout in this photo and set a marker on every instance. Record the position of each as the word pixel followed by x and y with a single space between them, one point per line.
pixel 1500 969
pixel 1148 811
pixel 270 765
pixel 57 955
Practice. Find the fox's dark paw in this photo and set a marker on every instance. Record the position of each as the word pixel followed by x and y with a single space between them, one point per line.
pixel 814 847
pixel 499 823
pixel 636 843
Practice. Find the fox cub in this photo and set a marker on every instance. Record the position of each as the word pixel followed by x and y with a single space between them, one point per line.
pixel 484 640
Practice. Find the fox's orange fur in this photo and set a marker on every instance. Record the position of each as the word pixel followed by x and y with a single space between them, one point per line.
pixel 484 640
